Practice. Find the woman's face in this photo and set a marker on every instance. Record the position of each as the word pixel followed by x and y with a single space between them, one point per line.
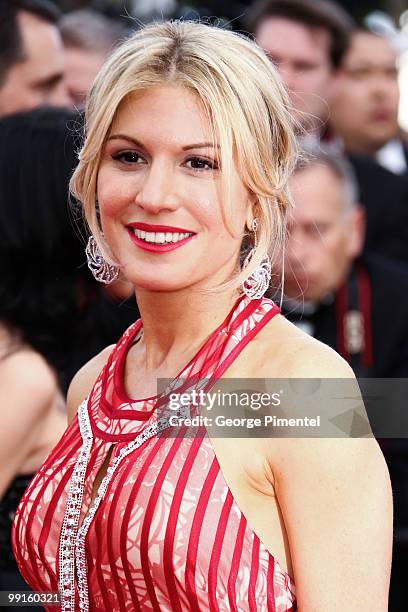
pixel 160 195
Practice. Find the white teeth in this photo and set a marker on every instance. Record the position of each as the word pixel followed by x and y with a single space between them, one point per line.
pixel 161 237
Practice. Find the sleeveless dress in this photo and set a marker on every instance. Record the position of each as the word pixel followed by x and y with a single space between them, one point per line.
pixel 165 532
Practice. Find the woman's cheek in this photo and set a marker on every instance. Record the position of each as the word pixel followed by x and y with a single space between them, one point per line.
pixel 207 203
pixel 114 195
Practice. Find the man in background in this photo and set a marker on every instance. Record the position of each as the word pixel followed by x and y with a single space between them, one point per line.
pixel 364 115
pixel 31 57
pixel 88 38
pixel 357 304
pixel 368 84
pixel 307 40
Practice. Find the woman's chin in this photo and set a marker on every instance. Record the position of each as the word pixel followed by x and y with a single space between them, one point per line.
pixel 158 284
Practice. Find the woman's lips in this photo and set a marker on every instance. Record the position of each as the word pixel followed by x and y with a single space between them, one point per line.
pixel 158 228
pixel 156 247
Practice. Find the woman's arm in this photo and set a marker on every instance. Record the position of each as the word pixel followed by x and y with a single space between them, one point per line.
pixel 27 389
pixel 335 496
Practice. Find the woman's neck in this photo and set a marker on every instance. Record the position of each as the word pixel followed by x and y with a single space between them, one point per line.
pixel 176 323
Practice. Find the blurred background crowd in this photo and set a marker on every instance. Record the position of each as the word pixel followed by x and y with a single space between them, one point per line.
pixel 345 66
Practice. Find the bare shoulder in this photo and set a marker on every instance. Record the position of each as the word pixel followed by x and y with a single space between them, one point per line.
pixel 26 375
pixel 83 381
pixel 28 387
pixel 288 352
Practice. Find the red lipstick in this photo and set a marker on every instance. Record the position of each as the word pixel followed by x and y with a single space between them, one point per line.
pixel 156 247
pixel 147 227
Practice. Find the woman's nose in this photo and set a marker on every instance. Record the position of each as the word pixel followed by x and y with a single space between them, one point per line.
pixel 157 189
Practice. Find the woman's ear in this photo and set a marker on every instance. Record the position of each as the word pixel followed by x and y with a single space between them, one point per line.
pixel 252 202
pixel 249 219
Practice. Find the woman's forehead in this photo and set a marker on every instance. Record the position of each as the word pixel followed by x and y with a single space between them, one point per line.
pixel 164 112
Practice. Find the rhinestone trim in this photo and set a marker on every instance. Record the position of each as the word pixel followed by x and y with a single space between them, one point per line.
pixel 72 540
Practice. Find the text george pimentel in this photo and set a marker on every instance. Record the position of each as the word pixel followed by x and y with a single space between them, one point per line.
pixel 177 420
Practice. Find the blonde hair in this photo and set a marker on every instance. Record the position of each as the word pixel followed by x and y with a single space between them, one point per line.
pixel 246 103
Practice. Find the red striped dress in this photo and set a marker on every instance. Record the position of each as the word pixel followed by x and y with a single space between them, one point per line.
pixel 167 533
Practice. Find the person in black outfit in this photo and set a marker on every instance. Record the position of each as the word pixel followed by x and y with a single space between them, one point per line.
pixel 67 316
pixel 368 83
pixel 384 196
pixel 355 303
pixel 54 316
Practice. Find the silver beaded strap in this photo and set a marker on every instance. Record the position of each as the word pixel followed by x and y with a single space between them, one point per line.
pixel 72 540
pixel 72 514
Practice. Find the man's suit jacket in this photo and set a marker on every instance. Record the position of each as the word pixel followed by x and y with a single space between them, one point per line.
pixel 384 195
pixel 389 313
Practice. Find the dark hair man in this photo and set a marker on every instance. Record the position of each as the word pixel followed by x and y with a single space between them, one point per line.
pixel 31 56
pixel 88 38
pixel 368 84
pixel 364 114
pixel 306 39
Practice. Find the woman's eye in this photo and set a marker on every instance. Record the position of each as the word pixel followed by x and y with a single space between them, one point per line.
pixel 128 157
pixel 199 163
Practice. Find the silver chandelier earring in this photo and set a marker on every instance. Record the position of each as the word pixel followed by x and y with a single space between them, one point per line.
pixel 101 269
pixel 258 281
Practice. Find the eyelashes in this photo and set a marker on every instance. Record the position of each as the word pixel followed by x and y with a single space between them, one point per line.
pixel 201 162
pixel 127 157
pixel 196 163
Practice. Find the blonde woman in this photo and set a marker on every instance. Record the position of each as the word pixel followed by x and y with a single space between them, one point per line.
pixel 189 141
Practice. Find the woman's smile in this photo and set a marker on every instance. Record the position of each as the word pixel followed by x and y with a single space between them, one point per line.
pixel 159 190
pixel 158 241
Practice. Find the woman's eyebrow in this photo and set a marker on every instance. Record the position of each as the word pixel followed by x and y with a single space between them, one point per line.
pixel 198 145
pixel 201 145
pixel 123 137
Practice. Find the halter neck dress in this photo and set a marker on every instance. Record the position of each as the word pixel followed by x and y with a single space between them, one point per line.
pixel 167 533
